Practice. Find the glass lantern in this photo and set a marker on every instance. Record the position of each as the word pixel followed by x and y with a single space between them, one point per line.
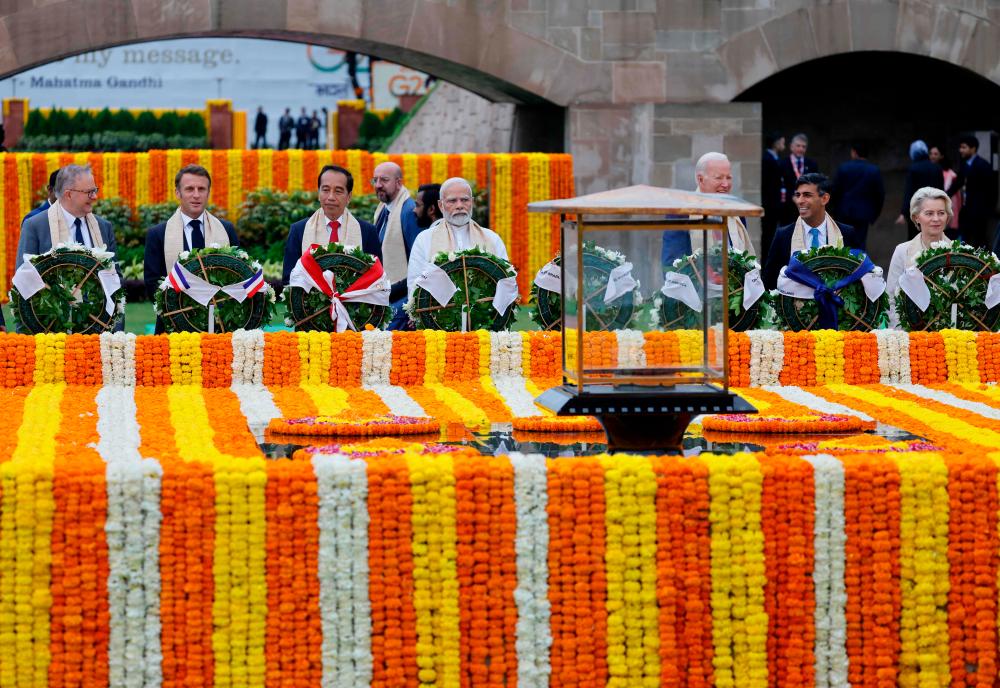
pixel 644 290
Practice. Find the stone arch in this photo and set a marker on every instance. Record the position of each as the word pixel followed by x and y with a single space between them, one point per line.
pixel 474 47
pixel 945 31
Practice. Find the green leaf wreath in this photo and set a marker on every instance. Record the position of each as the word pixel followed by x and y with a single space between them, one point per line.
pixel 311 310
pixel 833 263
pixel 220 266
pixel 958 274
pixel 671 314
pixel 598 262
pixel 74 300
pixel 475 273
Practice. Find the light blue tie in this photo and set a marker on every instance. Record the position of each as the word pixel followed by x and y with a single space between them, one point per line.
pixel 814 233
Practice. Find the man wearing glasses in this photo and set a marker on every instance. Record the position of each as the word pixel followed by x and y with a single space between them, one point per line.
pixel 69 220
pixel 397 228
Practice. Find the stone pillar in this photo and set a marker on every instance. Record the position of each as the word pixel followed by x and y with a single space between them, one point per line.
pixel 220 124
pixel 408 101
pixel 658 144
pixel 348 123
pixel 15 114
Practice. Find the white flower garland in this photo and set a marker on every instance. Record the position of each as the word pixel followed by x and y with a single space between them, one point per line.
pixel 830 538
pixel 506 373
pixel 345 608
pixel 797 395
pixel 257 406
pixel 948 399
pixel 248 357
pixel 531 544
pixel 376 357
pixel 893 356
pixel 376 364
pixel 118 358
pixel 767 357
pixel 631 353
pixel 132 529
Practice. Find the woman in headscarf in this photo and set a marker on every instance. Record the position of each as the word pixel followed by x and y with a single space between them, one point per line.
pixel 922 172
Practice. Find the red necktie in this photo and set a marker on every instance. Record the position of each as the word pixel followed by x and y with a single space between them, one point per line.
pixel 334 226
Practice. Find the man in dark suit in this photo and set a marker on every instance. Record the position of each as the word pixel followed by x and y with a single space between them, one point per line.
pixel 813 228
pixel 333 222
pixel 75 192
pixel 260 129
pixel 793 167
pixel 285 125
pixel 45 205
pixel 190 227
pixel 922 172
pixel 772 188
pixel 859 192
pixel 978 184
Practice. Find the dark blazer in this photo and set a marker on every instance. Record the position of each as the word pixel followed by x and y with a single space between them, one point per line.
pixel 35 237
pixel 41 208
pixel 980 188
pixel 781 251
pixel 770 184
pixel 789 175
pixel 858 192
pixel 410 229
pixel 154 267
pixel 293 246
pixel 921 173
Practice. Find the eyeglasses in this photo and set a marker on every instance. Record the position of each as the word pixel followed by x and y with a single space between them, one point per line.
pixel 90 192
pixel 384 180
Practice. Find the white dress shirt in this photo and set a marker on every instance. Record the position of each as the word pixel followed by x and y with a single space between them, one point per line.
pixel 187 228
pixel 84 230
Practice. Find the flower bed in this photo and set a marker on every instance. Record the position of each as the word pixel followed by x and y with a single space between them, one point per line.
pixel 756 358
pixel 144 538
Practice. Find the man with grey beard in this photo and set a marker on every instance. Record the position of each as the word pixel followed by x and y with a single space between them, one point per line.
pixel 455 231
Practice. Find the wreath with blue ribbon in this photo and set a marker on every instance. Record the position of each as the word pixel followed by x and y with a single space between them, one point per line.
pixel 840 301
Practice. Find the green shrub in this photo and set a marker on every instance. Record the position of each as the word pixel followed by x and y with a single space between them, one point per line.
pixel 266 215
pixel 59 122
pixel 37 125
pixel 103 120
pixel 123 120
pixel 82 122
pixel 119 214
pixel 169 123
pixel 192 124
pixel 146 123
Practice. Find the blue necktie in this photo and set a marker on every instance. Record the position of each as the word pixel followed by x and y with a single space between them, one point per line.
pixel 383 220
pixel 79 232
pixel 814 233
pixel 197 236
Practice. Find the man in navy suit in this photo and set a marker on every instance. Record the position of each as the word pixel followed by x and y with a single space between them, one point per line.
pixel 859 192
pixel 773 193
pixel 75 193
pixel 813 228
pixel 978 184
pixel 793 167
pixel 332 223
pixel 922 172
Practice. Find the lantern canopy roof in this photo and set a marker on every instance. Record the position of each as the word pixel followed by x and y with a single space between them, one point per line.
pixel 650 200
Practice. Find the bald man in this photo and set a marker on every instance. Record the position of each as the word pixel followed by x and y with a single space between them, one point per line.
pixel 397 228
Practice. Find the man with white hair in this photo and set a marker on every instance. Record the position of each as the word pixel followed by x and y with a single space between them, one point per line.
pixel 713 174
pixel 455 231
pixel 397 228
pixel 69 219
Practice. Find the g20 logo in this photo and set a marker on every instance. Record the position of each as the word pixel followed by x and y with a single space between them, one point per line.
pixel 406 82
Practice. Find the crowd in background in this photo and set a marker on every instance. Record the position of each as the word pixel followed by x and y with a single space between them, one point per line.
pixel 857 192
pixel 306 128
